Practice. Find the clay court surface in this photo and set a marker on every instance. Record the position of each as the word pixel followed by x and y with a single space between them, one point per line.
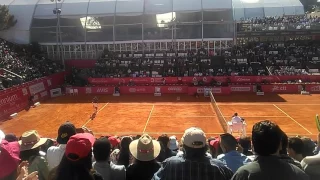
pixel 137 114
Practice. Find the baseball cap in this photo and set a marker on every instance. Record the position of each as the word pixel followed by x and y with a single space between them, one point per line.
pixel 79 144
pixel 173 143
pixel 215 143
pixel 194 138
pixel 114 141
pixel 65 131
pixel 9 157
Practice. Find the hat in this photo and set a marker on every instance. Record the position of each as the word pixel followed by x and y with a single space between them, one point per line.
pixel 2 135
pixel 173 143
pixel 114 141
pixel 215 143
pixel 144 148
pixel 80 145
pixel 194 138
pixel 31 140
pixel 66 130
pixel 9 157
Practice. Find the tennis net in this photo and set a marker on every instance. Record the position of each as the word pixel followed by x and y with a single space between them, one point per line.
pixel 220 116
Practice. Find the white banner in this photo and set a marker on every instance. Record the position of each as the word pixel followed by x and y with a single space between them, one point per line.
pixel 36 88
pixel 55 92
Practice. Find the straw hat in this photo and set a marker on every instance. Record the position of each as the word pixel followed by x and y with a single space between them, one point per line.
pixel 144 148
pixel 31 140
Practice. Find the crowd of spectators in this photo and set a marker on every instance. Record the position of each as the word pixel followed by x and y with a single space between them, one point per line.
pixel 302 22
pixel 77 155
pixel 20 64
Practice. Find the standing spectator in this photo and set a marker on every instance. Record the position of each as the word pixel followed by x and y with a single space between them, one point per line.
pixel 295 148
pixel 29 151
pixel 145 151
pixel 108 170
pixel 231 157
pixel 55 153
pixel 194 163
pixel 76 164
pixel 266 140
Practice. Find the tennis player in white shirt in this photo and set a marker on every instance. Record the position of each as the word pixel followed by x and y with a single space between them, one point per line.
pixel 236 118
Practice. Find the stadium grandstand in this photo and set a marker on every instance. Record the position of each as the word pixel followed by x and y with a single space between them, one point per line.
pixel 160 89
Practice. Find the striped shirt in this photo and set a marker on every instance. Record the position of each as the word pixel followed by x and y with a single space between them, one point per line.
pixel 180 168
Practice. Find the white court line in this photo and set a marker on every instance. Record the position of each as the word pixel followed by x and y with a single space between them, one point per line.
pixel 292 118
pixel 97 113
pixel 145 127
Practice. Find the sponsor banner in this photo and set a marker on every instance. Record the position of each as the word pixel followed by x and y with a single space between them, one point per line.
pixel 205 79
pixel 12 102
pixel 241 89
pixel 214 90
pixel 281 88
pixel 36 88
pixel 45 93
pixel 313 88
pixel 55 92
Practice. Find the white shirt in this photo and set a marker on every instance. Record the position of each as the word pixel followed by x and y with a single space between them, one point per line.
pixel 236 119
pixel 54 155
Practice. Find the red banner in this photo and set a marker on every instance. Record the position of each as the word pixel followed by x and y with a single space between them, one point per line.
pixel 313 88
pixel 242 88
pixel 282 88
pixel 15 99
pixel 205 79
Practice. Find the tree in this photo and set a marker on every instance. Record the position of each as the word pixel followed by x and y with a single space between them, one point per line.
pixel 6 19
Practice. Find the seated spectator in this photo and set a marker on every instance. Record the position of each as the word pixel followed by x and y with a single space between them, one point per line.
pixel 214 148
pixel 231 157
pixel 295 148
pixel 115 141
pixel 145 151
pixel 124 156
pixel 165 151
pixel 311 165
pixel 266 140
pixel 283 153
pixel 76 164
pixel 108 170
pixel 9 166
pixel 30 151
pixel 173 144
pixel 308 147
pixel 55 153
pixel 245 144
pixel 11 138
pixel 194 164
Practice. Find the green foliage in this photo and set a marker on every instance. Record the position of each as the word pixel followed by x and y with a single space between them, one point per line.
pixel 6 20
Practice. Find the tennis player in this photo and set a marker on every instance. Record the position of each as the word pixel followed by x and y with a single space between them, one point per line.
pixel 236 118
pixel 95 107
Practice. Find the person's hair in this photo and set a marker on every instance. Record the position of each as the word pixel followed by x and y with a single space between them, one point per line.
pixel 308 147
pixel 284 144
pixel 266 138
pixel 29 155
pixel 245 143
pixel 235 114
pixel 75 170
pixel 101 149
pixel 228 141
pixel 296 144
pixel 124 154
pixel 192 153
pixel 164 139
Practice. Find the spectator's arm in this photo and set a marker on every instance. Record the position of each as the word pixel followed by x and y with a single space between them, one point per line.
pixel 160 174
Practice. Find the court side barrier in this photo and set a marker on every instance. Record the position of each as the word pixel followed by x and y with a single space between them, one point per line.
pixel 206 79
pixel 15 99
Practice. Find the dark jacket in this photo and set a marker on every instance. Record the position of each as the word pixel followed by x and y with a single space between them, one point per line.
pixel 142 170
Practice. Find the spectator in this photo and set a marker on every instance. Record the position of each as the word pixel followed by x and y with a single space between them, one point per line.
pixel 308 147
pixel 115 141
pixel 11 138
pixel 266 140
pixel 145 151
pixel 245 144
pixel 30 151
pixel 76 164
pixel 231 157
pixel 122 156
pixel 165 151
pixel 173 144
pixel 295 148
pixel 284 154
pixel 311 165
pixel 55 153
pixel 108 170
pixel 194 164
pixel 215 148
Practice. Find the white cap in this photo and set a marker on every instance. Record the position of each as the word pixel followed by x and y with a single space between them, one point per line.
pixel 173 143
pixel 194 138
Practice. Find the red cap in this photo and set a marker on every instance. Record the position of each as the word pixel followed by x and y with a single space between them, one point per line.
pixel 9 157
pixel 80 144
pixel 114 141
pixel 215 143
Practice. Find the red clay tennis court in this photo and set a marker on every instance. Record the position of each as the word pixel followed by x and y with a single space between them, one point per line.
pixel 157 115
